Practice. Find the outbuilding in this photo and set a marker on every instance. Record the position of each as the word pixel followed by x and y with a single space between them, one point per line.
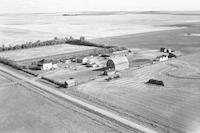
pixel 121 53
pixel 86 59
pixel 162 58
pixel 70 83
pixel 171 55
pixel 79 59
pixel 166 50
pixel 118 63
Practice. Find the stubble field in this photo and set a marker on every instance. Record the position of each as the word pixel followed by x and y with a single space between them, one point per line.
pixel 176 106
pixel 26 54
pixel 24 110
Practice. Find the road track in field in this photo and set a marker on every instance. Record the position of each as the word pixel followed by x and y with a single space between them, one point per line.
pixel 88 107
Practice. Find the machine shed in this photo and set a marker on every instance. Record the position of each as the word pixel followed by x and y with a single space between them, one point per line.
pixel 118 63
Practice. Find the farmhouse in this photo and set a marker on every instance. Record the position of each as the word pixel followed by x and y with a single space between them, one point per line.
pixel 47 64
pixel 118 63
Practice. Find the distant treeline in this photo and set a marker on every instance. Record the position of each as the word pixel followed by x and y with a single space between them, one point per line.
pixel 57 41
pixel 87 43
pixel 38 43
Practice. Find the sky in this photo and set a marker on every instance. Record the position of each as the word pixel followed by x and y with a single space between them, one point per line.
pixel 42 6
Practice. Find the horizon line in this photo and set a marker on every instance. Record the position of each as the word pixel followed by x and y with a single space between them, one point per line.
pixel 137 11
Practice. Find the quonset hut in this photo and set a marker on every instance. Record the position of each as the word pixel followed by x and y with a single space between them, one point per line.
pixel 118 63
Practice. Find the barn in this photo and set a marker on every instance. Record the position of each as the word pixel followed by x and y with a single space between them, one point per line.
pixel 118 63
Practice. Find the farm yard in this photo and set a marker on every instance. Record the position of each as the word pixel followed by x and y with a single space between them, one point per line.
pixel 176 105
pixel 86 72
pixel 26 54
pixel 81 76
pixel 39 49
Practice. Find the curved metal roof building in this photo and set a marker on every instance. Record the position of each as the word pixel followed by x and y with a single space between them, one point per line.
pixel 118 63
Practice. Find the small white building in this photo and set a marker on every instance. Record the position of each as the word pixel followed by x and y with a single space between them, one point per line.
pixel 70 83
pixel 87 59
pixel 67 61
pixel 54 66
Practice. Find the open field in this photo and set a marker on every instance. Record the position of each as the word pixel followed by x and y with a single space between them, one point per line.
pixel 23 110
pixel 175 39
pixel 25 27
pixel 26 54
pixel 175 106
pixel 4 79
pixel 15 36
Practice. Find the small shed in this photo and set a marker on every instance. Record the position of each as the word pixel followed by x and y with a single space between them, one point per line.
pixel 85 60
pixel 82 38
pixel 162 49
pixel 105 55
pixel 79 59
pixel 118 63
pixel 70 83
pixel 67 61
pixel 73 59
pixel 110 72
